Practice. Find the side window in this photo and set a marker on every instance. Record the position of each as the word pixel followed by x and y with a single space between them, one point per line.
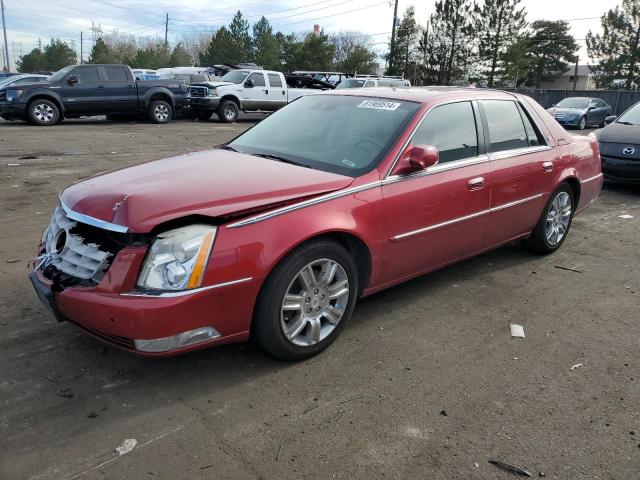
pixel 24 81
pixel 534 137
pixel 452 130
pixel 274 80
pixel 258 79
pixel 116 74
pixel 86 74
pixel 369 83
pixel 506 129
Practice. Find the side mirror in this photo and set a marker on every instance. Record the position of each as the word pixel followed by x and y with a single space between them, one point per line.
pixel 591 107
pixel 610 119
pixel 415 158
pixel 72 80
pixel 248 83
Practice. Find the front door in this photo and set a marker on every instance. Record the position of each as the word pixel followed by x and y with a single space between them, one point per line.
pixel 256 97
pixel 439 215
pixel 88 94
pixel 521 170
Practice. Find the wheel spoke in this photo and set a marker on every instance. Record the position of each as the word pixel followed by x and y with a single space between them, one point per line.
pixel 294 330
pixel 313 335
pixel 333 315
pixel 308 277
pixel 328 273
pixel 338 289
pixel 292 302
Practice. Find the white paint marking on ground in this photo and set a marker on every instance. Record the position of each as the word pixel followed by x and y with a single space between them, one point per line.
pixel 517 331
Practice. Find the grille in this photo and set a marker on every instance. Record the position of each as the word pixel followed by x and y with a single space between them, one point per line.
pixel 199 91
pixel 70 253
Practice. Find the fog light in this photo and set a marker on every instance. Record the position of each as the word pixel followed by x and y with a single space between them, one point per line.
pixel 180 340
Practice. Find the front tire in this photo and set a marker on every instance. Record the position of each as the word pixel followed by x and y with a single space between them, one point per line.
pixel 582 124
pixel 228 111
pixel 306 301
pixel 160 111
pixel 554 223
pixel 43 112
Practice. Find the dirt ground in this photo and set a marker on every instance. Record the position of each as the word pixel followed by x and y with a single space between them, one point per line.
pixel 425 382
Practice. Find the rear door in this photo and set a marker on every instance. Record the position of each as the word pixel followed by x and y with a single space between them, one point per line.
pixel 521 170
pixel 438 215
pixel 277 92
pixel 88 95
pixel 121 89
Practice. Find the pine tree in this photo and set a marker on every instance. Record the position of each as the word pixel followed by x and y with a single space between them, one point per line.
pixel 550 49
pixel 288 47
pixel 58 54
pixel 499 24
pixel 32 62
pixel 265 45
pixel 220 49
pixel 180 57
pixel 452 26
pixel 617 49
pixel 240 39
pixel 101 53
pixel 315 53
pixel 404 44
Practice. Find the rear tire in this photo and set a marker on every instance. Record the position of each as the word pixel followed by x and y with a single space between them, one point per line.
pixel 555 221
pixel 228 111
pixel 43 112
pixel 160 111
pixel 306 301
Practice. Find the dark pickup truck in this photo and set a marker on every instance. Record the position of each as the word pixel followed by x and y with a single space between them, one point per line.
pixel 89 90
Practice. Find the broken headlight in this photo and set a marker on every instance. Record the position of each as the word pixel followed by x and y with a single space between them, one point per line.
pixel 177 259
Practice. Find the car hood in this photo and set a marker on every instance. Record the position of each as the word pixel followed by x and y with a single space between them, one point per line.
pixel 213 183
pixel 211 84
pixel 620 133
pixel 25 86
pixel 566 110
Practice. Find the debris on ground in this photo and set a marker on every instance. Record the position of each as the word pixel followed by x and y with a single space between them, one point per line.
pixel 444 413
pixel 561 267
pixel 28 157
pixel 13 260
pixel 279 452
pixel 625 216
pixel 65 393
pixel 577 365
pixel 128 445
pixel 92 415
pixel 520 472
pixel 517 331
pixel 13 164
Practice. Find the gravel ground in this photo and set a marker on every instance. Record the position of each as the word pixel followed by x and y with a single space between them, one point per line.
pixel 425 382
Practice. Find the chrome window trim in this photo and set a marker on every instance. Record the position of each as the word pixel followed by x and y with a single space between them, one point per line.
pixel 307 203
pixel 465 218
pixel 517 152
pixel 591 179
pixel 183 293
pixel 95 222
pixel 444 167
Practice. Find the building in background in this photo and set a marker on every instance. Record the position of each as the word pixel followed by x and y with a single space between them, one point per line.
pixel 565 81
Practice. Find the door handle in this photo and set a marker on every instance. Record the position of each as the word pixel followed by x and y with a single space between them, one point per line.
pixel 267 92
pixel 475 183
pixel 100 86
pixel 547 167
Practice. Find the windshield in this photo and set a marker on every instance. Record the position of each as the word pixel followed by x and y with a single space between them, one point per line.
pixel 631 116
pixel 574 103
pixel 235 76
pixel 352 83
pixel 8 80
pixel 60 74
pixel 341 134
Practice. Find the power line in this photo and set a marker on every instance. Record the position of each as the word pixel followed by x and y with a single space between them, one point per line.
pixel 334 15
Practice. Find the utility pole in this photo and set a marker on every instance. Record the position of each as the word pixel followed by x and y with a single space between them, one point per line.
pixel 166 32
pixel 575 74
pixel 393 35
pixel 81 56
pixel 7 63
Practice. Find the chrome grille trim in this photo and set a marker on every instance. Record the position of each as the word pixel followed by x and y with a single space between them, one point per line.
pixel 94 222
pixel 198 91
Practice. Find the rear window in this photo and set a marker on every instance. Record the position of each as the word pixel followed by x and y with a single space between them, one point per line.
pixel 116 74
pixel 506 129
pixel 274 80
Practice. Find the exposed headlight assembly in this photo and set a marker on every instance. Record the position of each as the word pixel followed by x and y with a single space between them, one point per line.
pixel 13 94
pixel 177 259
pixel 213 92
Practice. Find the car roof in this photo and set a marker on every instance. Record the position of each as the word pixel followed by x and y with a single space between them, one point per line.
pixel 424 94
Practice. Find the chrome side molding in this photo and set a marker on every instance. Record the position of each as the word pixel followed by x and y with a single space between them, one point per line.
pixel 183 293
pixel 591 179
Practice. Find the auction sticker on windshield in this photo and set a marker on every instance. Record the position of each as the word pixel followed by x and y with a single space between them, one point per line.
pixel 379 105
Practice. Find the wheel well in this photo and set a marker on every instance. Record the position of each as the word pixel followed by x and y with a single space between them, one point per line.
pixel 161 96
pixel 574 183
pixel 230 97
pixel 46 97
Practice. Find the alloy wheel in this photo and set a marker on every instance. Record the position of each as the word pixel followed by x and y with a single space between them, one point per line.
pixel 43 112
pixel 314 303
pixel 229 112
pixel 558 218
pixel 161 112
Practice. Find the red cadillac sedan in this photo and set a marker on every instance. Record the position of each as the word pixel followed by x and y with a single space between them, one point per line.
pixel 276 234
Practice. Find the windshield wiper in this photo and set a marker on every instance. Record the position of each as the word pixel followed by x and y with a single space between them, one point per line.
pixel 281 159
pixel 226 146
pixel 626 123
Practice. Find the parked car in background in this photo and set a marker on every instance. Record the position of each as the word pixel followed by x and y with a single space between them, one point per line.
pixel 189 78
pixel 315 79
pixel 581 112
pixel 23 79
pixel 620 146
pixel 243 90
pixel 336 196
pixel 374 82
pixel 7 74
pixel 89 90
pixel 140 74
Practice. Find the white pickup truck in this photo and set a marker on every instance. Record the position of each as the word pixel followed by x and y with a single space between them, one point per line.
pixel 243 90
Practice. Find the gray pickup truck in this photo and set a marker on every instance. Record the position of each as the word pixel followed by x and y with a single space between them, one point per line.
pixel 90 90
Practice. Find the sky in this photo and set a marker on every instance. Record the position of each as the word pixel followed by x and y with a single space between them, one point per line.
pixel 30 20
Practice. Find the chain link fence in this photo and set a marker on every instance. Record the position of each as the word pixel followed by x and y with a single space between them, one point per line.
pixel 619 100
